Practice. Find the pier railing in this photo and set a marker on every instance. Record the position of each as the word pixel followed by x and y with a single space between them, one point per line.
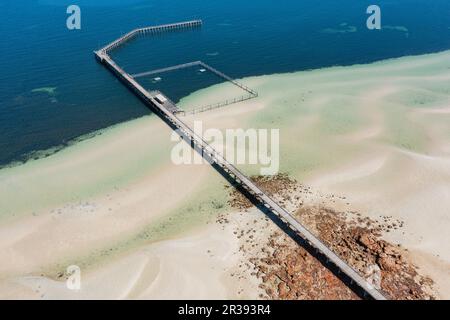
pixel 162 70
pixel 149 30
pixel 251 93
pixel 217 105
pixel 223 75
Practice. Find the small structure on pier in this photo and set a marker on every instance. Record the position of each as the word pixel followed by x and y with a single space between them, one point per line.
pixel 165 102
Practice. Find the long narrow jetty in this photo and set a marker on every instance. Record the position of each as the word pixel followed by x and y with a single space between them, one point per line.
pixel 155 29
pixel 247 184
pixel 162 70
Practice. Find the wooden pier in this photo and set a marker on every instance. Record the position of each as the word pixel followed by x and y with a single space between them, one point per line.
pixel 223 75
pixel 166 102
pixel 150 30
pixel 162 70
pixel 250 92
pixel 203 65
pixel 333 261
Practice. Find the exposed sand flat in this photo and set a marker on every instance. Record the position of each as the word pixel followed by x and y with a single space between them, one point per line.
pixel 115 204
pixel 209 262
pixel 442 110
pixel 99 198
pixel 96 222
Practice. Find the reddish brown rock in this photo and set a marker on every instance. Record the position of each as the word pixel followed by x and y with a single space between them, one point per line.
pixel 283 290
pixel 369 241
pixel 290 272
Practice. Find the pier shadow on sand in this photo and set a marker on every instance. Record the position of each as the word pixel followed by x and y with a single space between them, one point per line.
pixel 360 292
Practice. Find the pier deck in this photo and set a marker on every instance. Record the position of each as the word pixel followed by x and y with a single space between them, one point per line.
pixel 217 159
pixel 148 30
pixel 165 102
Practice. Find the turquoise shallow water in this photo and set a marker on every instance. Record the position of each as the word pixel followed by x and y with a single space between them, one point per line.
pixel 241 38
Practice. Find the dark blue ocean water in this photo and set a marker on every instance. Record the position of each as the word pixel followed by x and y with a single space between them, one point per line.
pixel 241 38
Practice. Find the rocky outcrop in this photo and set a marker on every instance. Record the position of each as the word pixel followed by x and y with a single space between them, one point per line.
pixel 287 271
